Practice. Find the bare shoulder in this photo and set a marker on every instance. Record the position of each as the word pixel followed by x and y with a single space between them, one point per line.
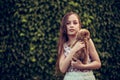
pixel 91 43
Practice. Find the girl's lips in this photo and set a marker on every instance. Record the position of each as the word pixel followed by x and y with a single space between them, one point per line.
pixel 71 30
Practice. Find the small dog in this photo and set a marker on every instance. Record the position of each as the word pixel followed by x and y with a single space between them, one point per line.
pixel 83 35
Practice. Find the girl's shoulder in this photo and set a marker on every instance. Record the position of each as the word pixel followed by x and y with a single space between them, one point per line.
pixel 91 43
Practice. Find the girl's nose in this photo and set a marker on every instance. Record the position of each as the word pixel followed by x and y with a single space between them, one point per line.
pixel 71 25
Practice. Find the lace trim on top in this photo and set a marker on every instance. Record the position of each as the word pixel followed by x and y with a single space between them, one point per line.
pixel 66 49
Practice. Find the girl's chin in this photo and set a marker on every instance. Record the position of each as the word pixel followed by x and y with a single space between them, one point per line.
pixel 71 34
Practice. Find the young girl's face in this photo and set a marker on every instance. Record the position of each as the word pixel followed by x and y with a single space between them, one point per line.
pixel 73 25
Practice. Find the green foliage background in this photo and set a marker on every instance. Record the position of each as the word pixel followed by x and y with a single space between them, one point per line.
pixel 30 30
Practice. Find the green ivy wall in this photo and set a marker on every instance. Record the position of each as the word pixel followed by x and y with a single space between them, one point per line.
pixel 29 31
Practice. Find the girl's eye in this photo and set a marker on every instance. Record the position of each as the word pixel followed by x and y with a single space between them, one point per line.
pixel 68 23
pixel 74 22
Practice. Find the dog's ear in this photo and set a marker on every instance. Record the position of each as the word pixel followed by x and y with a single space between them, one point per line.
pixel 87 34
pixel 79 35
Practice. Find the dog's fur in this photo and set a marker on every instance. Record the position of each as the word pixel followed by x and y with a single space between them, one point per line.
pixel 83 35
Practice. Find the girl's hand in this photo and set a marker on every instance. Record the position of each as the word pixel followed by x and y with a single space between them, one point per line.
pixel 79 45
pixel 77 63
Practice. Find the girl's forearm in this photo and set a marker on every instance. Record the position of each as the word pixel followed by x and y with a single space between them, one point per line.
pixel 66 62
pixel 92 65
pixel 64 65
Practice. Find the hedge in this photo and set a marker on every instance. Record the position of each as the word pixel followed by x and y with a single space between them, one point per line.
pixel 30 30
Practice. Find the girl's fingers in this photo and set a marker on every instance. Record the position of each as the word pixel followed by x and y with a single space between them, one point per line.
pixel 74 59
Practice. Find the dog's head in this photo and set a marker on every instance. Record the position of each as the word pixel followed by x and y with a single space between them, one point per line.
pixel 83 34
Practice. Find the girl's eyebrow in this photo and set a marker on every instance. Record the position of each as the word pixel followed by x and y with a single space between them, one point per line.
pixel 75 20
pixel 72 20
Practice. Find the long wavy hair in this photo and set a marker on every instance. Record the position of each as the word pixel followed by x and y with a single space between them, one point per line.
pixel 63 37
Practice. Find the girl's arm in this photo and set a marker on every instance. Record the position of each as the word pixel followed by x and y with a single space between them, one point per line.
pixel 94 64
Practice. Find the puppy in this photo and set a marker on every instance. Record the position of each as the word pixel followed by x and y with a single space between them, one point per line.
pixel 83 35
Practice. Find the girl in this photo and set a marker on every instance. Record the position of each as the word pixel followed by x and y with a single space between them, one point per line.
pixel 74 70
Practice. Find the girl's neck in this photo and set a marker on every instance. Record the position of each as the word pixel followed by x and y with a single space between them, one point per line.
pixel 71 40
